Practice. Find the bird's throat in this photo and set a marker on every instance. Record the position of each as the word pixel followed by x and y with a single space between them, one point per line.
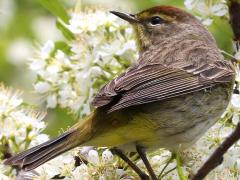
pixel 143 38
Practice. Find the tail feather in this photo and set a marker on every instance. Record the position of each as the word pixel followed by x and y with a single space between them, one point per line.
pixel 15 160
pixel 52 148
pixel 36 156
pixel 32 163
pixel 40 154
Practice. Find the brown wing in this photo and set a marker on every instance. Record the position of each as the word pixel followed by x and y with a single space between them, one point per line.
pixel 156 82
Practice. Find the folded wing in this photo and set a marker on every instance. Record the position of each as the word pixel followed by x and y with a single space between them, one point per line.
pixel 156 82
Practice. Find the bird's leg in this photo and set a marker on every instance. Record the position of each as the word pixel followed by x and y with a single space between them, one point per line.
pixel 179 167
pixel 166 165
pixel 140 173
pixel 143 156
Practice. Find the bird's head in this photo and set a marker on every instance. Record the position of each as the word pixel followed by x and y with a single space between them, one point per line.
pixel 162 22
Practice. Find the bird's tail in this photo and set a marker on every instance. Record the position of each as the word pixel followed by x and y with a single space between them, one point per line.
pixel 34 157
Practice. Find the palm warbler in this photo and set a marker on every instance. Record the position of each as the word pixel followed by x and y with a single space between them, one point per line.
pixel 176 91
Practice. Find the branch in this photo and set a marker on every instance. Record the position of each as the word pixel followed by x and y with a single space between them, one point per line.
pixel 217 157
pixel 234 11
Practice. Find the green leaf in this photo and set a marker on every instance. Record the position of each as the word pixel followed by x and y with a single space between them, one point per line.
pixel 64 47
pixel 179 168
pixel 55 7
pixel 65 31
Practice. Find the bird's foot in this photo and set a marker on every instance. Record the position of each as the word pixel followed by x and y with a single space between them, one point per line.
pixel 140 173
pixel 143 156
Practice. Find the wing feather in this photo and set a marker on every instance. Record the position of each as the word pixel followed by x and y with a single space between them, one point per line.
pixel 157 82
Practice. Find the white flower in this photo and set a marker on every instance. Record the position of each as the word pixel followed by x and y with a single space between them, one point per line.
pixel 207 22
pixel 130 45
pixel 3 177
pixel 81 173
pixel 38 139
pixel 120 172
pixel 219 9
pixel 51 101
pixel 235 119
pixel 62 165
pixel 53 69
pixel 93 157
pixel 37 64
pixel 21 125
pixel 157 160
pixel 236 100
pixel 104 46
pixel 202 7
pixel 96 71
pixel 47 49
pixel 62 58
pixel 107 156
pixel 42 87
pixel 84 150
pixel 189 4
pixel 100 168
pixel 207 9
pixel 9 99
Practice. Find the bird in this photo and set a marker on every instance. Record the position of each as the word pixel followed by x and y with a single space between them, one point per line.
pixel 177 89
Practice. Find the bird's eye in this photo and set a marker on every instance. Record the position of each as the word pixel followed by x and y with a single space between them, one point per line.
pixel 156 20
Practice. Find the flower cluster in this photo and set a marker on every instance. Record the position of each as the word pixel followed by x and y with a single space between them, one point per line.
pixel 21 126
pixel 206 9
pixel 96 166
pixel 70 76
pixel 21 129
pixel 105 167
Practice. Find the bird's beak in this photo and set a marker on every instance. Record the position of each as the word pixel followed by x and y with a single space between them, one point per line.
pixel 127 17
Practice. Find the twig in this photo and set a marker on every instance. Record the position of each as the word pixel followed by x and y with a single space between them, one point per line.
pixel 166 165
pixel 217 157
pixel 166 173
pixel 234 11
